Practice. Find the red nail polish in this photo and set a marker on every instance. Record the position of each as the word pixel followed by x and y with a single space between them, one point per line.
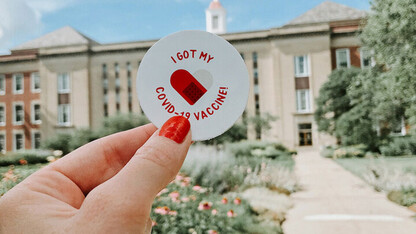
pixel 176 128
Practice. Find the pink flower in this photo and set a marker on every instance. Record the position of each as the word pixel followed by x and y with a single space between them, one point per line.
pixel 196 188
pixel 224 200
pixel 212 232
pixel 231 213
pixel 154 223
pixel 173 213
pixel 165 190
pixel 185 199
pixel 162 210
pixel 174 194
pixel 205 206
pixel 214 212
pixel 237 201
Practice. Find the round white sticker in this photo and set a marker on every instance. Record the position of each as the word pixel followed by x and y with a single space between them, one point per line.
pixel 197 75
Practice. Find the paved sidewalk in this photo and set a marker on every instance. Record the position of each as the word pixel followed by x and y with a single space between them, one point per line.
pixel 333 200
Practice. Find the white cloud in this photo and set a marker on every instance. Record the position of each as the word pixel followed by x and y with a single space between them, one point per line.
pixel 23 19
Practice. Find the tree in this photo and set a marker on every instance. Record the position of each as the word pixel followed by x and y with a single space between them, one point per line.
pixel 333 100
pixel 390 33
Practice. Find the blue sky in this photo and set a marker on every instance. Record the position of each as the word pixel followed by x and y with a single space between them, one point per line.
pixel 109 21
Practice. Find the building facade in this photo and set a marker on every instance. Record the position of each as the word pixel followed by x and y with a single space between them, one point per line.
pixel 65 80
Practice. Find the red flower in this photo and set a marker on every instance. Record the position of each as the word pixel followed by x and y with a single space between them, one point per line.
pixel 205 206
pixel 212 232
pixel 22 161
pixel 237 201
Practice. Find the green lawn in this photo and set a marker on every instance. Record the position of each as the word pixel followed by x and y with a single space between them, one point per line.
pixel 359 166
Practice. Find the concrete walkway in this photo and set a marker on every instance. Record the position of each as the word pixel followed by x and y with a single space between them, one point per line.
pixel 334 201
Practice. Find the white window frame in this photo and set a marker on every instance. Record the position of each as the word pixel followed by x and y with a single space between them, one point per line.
pixel 14 113
pixel 60 109
pixel 373 62
pixel 4 117
pixel 305 64
pixel 14 83
pixel 308 105
pixel 34 131
pixel 348 57
pixel 3 80
pixel 32 113
pixel 3 133
pixel 60 89
pixel 32 82
pixel 14 140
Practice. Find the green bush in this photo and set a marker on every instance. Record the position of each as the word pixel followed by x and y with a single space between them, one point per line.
pixel 29 157
pixel 400 146
pixel 403 197
pixel 350 151
pixel 237 132
pixel 258 148
pixel 67 142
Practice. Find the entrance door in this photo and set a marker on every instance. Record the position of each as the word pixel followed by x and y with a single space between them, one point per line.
pixel 305 134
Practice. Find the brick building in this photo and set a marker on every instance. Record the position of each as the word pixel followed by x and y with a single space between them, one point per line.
pixel 65 80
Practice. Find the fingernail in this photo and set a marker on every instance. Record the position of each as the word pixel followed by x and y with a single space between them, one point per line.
pixel 176 128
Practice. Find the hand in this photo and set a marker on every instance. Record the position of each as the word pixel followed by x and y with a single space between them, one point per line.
pixel 106 186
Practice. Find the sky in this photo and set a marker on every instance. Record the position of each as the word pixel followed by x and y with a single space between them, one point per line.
pixel 109 21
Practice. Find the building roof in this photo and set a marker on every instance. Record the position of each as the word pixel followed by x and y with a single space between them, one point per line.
pixel 61 37
pixel 215 4
pixel 328 12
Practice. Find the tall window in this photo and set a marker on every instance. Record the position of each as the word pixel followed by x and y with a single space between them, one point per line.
pixel 215 22
pixel 36 113
pixel 18 83
pixel 2 142
pixel 303 100
pixel 129 88
pixel 36 140
pixel 35 82
pixel 2 115
pixel 105 89
pixel 18 114
pixel 256 94
pixel 343 58
pixel 19 141
pixel 2 84
pixel 117 83
pixel 301 66
pixel 366 58
pixel 64 114
pixel 64 85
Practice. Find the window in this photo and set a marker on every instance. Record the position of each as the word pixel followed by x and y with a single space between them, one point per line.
pixel 2 142
pixel 398 128
pixel 215 22
pixel 2 115
pixel 305 134
pixel 366 58
pixel 303 100
pixel 64 83
pixel 64 114
pixel 18 114
pixel 19 141
pixel 36 113
pixel 301 66
pixel 343 58
pixel 18 83
pixel 129 88
pixel 2 84
pixel 36 140
pixel 35 81
pixel 117 83
pixel 105 89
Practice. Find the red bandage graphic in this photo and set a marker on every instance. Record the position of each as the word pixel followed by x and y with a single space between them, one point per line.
pixel 187 86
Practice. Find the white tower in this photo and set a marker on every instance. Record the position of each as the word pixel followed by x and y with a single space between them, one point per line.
pixel 216 18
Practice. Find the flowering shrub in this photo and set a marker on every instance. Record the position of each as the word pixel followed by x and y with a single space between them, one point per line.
pixel 13 176
pixel 25 157
pixel 183 208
